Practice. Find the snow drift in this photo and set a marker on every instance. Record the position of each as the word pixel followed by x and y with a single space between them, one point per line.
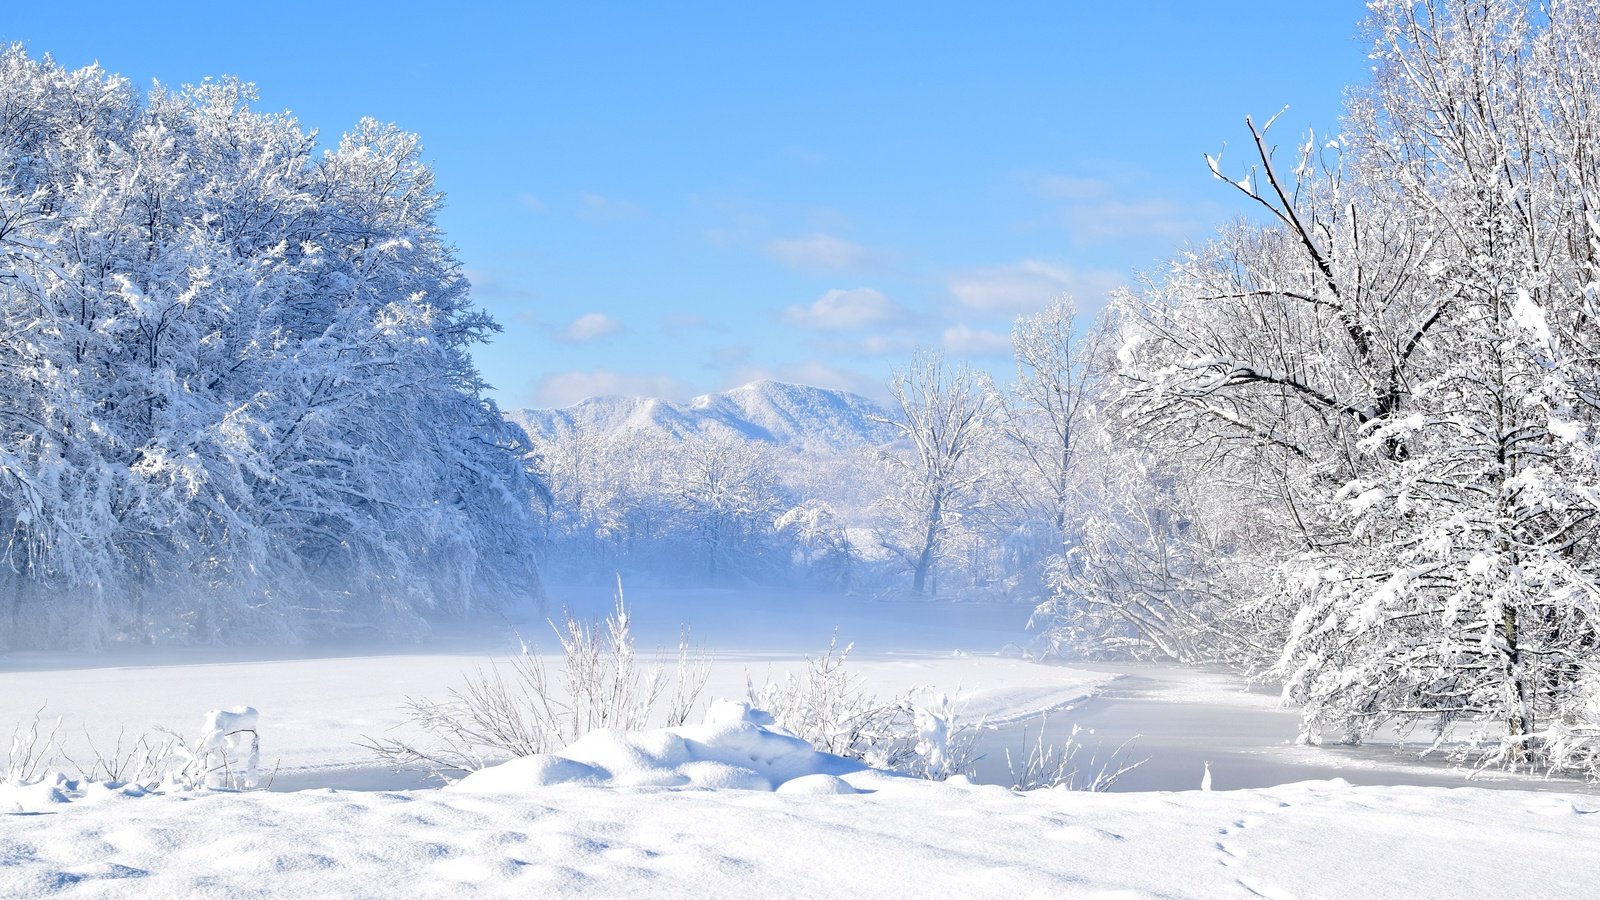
pixel 736 747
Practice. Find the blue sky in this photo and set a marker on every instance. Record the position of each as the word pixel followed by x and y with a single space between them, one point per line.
pixel 677 198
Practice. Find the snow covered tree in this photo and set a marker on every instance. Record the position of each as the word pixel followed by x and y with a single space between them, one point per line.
pixel 1049 401
pixel 726 495
pixel 1392 382
pixel 942 412
pixel 822 547
pixel 1473 596
pixel 247 408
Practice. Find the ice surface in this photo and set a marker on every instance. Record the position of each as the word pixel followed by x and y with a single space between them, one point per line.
pixel 316 701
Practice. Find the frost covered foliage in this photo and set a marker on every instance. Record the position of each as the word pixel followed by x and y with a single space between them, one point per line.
pixel 225 756
pixel 1148 571
pixel 915 733
pixel 238 402
pixel 603 686
pixel 702 508
pixel 1381 406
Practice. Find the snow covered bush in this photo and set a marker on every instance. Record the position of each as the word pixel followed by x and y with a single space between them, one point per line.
pixel 241 404
pixel 493 717
pixel 31 752
pixel 1051 766
pixel 226 755
pixel 915 733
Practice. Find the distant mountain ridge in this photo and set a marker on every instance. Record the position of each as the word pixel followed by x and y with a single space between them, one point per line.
pixel 807 418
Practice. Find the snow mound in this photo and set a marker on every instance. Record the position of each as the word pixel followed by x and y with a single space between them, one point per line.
pixel 735 748
pixel 817 784
pixel 56 788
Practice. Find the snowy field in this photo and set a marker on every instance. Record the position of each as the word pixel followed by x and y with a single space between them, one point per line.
pixel 1317 839
pixel 317 702
pixel 622 818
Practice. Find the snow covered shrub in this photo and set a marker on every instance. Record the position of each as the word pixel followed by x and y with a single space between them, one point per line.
pixel 144 761
pixel 225 756
pixel 493 717
pixel 1051 766
pixel 828 707
pixel 1156 566
pixel 31 753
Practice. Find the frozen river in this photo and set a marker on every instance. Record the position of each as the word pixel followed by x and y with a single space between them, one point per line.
pixel 1177 719
pixel 317 702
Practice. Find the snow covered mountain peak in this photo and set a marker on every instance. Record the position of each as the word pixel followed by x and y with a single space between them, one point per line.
pixel 808 418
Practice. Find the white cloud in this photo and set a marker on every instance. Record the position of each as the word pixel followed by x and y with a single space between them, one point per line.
pixel 818 253
pixel 894 343
pixel 1070 187
pixel 530 202
pixel 968 341
pixel 597 208
pixel 1110 220
pixel 589 327
pixel 566 388
pixel 1029 285
pixel 840 310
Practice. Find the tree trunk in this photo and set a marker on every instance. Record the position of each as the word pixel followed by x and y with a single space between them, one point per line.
pixel 930 540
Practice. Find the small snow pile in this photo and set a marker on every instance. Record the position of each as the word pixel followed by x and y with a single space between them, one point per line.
pixel 56 788
pixel 737 747
pixel 214 760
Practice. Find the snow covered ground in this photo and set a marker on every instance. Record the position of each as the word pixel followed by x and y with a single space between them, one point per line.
pixel 316 703
pixel 907 839
pixel 613 816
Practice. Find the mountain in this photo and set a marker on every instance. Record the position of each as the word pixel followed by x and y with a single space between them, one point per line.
pixel 807 418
